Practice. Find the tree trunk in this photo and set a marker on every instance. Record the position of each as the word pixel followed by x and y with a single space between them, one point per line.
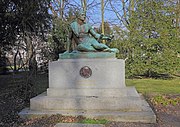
pixel 15 64
pixel 84 5
pixel 30 52
pixel 102 17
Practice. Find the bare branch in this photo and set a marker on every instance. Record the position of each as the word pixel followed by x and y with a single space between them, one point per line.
pixel 119 16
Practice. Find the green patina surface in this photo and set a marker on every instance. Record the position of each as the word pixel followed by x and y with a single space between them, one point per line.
pixel 87 55
pixel 83 38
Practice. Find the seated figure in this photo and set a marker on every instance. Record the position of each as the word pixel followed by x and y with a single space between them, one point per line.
pixel 83 38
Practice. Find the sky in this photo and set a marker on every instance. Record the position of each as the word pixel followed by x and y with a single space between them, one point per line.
pixel 94 11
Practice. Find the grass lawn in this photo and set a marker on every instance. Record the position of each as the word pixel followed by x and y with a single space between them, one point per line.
pixel 155 86
pixel 144 86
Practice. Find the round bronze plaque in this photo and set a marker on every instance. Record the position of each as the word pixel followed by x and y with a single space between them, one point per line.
pixel 85 72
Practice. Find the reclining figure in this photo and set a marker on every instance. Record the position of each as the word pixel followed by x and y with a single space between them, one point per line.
pixel 83 38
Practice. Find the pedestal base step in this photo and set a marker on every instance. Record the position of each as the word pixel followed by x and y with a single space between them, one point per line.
pixel 140 116
pixel 125 109
pixel 92 103
pixel 43 102
pixel 122 92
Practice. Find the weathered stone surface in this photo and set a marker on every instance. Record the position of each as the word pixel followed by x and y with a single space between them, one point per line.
pixel 68 92
pixel 106 73
pixel 146 116
pixel 86 103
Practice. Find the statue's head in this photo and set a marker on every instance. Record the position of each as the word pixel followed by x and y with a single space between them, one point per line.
pixel 82 15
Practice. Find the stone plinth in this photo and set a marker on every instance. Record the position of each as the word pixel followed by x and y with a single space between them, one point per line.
pixel 106 73
pixel 94 88
pixel 89 55
pixel 69 92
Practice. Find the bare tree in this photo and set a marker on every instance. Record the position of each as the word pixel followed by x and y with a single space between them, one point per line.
pixel 102 16
pixel 121 10
pixel 57 7
pixel 84 5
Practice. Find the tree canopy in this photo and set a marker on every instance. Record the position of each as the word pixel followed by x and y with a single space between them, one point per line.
pixel 151 42
pixel 146 31
pixel 21 21
pixel 22 17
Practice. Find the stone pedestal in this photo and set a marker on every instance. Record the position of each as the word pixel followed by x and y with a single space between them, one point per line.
pixel 94 88
pixel 105 73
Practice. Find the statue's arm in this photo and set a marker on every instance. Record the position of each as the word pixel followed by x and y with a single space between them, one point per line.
pixel 99 36
pixel 94 33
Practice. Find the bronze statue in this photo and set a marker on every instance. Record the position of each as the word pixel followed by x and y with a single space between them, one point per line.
pixel 83 38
